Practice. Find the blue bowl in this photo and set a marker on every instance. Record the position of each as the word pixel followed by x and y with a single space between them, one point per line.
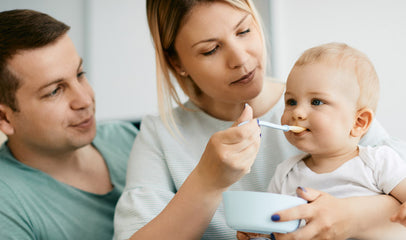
pixel 251 211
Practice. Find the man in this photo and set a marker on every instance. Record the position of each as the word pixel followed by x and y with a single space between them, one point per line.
pixel 60 176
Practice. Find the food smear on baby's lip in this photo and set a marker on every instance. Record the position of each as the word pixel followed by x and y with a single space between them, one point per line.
pixel 297 129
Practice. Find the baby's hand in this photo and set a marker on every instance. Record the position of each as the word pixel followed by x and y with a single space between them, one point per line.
pixel 247 236
pixel 400 215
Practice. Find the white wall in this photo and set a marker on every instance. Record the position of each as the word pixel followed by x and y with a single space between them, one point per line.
pixel 376 27
pixel 122 60
pixel 113 38
pixel 71 12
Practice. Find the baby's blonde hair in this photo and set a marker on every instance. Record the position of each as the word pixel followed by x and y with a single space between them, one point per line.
pixel 350 59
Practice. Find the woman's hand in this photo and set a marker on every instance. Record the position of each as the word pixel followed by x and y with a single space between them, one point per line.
pixel 229 154
pixel 326 217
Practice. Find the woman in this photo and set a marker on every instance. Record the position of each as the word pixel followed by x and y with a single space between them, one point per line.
pixel 182 162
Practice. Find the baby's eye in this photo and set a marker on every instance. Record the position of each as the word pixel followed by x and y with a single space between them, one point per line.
pixel 317 102
pixel 291 102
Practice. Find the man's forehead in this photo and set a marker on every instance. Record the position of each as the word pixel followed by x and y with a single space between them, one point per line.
pixel 45 64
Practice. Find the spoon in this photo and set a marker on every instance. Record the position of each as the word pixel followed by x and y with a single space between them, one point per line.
pixel 295 129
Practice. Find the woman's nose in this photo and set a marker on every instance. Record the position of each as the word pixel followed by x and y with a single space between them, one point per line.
pixel 237 56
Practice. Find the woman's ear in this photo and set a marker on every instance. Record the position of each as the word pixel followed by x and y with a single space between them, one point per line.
pixel 5 125
pixel 177 65
pixel 363 120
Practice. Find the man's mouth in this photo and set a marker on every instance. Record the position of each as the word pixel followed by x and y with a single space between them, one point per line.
pixel 84 123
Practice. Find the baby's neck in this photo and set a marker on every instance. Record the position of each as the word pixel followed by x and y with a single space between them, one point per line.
pixel 325 163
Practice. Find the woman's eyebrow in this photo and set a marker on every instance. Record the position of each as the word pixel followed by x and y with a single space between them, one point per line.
pixel 214 39
pixel 241 21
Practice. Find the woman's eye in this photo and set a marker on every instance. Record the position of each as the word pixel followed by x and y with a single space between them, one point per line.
pixel 211 51
pixel 291 102
pixel 81 74
pixel 244 32
pixel 317 102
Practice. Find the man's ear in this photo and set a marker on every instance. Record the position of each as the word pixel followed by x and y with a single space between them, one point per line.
pixel 363 120
pixel 5 125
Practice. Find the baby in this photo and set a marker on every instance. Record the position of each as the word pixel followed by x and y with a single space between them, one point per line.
pixel 332 91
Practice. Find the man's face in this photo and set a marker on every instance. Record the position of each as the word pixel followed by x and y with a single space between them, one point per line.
pixel 55 101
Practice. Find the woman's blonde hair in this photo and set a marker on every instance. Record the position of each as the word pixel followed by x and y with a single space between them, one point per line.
pixel 165 18
pixel 347 58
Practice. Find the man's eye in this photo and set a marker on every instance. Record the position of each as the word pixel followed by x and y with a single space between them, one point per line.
pixel 291 102
pixel 317 102
pixel 55 92
pixel 211 52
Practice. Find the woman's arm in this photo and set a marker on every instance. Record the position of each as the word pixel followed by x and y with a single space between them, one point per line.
pixel 399 192
pixel 328 217
pixel 187 215
pixel 228 156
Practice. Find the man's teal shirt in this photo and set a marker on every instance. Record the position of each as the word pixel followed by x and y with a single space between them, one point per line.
pixel 33 205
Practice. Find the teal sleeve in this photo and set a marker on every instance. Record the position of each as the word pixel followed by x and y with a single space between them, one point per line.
pixel 114 140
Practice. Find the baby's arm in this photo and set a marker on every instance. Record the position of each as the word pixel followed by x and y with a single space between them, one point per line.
pixel 399 192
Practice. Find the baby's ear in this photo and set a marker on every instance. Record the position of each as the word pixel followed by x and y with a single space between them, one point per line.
pixel 363 120
pixel 5 126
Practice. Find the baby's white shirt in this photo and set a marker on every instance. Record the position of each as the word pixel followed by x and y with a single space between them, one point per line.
pixel 375 171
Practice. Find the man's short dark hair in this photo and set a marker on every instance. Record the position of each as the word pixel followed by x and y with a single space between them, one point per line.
pixel 23 29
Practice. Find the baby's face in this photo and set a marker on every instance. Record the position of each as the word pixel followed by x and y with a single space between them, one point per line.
pixel 322 99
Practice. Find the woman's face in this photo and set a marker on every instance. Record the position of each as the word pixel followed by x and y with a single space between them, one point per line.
pixel 221 49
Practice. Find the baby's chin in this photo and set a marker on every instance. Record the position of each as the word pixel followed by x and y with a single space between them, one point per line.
pixel 300 146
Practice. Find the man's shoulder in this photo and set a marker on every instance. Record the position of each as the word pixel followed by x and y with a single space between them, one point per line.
pixel 9 166
pixel 116 131
pixel 11 180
